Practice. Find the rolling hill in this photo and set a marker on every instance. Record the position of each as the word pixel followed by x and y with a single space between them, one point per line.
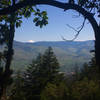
pixel 68 53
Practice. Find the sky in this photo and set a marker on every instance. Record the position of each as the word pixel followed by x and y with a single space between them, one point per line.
pixel 56 27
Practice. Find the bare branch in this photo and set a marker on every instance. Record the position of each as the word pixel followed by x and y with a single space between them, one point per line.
pixel 78 31
pixel 65 6
pixel 66 39
pixel 76 16
pixel 71 27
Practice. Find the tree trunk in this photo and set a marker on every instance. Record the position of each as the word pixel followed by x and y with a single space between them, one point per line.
pixel 97 48
pixel 7 72
pixel 4 96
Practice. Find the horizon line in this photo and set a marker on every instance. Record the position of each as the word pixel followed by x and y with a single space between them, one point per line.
pixel 53 41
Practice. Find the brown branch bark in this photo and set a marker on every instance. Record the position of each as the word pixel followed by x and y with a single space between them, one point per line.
pixel 65 6
pixel 78 31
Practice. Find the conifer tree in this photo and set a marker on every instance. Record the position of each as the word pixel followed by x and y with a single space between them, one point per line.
pixel 32 79
pixel 50 65
pixel 16 90
pixel 42 71
pixel 55 92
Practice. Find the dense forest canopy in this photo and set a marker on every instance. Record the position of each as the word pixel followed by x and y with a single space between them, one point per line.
pixel 42 80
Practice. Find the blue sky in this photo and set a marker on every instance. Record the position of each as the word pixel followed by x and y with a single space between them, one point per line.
pixel 57 27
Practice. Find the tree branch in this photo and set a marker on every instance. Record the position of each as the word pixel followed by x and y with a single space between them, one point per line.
pixel 65 6
pixel 78 31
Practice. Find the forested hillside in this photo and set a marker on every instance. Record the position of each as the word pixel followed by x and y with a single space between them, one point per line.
pixel 42 80
pixel 68 53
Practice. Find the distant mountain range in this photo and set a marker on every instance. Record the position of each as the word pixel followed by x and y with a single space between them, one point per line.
pixel 68 53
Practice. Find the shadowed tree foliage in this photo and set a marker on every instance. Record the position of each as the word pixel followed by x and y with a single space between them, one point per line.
pixel 11 12
pixel 35 84
pixel 42 70
pixel 17 93
pixel 86 89
pixel 7 29
pixel 55 92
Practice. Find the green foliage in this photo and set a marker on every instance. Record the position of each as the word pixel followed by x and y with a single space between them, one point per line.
pixel 4 31
pixel 26 12
pixel 50 64
pixel 41 18
pixel 32 79
pixel 16 92
pixel 43 69
pixel 1 75
pixel 7 30
pixel 90 70
pixel 93 6
pixel 43 81
pixel 68 55
pixel 87 86
pixel 55 92
pixel 85 89
pixel 5 3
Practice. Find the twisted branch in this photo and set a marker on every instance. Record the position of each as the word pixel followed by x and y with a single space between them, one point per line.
pixel 78 31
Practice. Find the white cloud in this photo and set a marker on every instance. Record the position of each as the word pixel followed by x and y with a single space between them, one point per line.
pixel 31 41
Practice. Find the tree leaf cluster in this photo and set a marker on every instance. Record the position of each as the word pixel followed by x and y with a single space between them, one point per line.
pixel 40 17
pixel 43 70
pixel 93 6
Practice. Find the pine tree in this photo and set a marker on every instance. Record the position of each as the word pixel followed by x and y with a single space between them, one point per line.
pixel 55 92
pixel 16 90
pixel 43 69
pixel 90 70
pixel 50 65
pixel 32 79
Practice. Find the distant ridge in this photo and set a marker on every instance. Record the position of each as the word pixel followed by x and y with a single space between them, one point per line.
pixel 68 53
